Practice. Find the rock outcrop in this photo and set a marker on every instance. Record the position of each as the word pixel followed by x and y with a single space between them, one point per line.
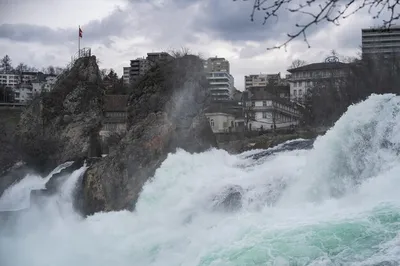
pixel 63 125
pixel 9 154
pixel 165 112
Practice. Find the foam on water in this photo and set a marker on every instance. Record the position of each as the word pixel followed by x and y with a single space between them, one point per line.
pixel 337 204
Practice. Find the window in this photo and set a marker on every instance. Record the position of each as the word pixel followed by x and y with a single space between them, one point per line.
pixel 253 104
pixel 264 103
pixel 295 93
pixel 264 115
pixel 300 92
pixel 212 122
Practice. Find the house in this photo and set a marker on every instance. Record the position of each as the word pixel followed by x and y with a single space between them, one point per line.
pixel 225 116
pixel 264 111
pixel 115 114
pixel 302 79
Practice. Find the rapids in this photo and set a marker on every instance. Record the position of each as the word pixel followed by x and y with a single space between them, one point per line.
pixel 335 204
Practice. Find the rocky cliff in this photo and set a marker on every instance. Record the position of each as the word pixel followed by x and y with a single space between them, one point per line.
pixel 165 112
pixel 63 124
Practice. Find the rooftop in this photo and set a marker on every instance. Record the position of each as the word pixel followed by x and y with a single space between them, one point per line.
pixel 319 66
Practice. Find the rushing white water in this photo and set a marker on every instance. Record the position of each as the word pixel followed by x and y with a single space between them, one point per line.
pixel 337 204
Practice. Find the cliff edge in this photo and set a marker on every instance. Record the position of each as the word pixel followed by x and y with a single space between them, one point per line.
pixel 165 112
pixel 63 124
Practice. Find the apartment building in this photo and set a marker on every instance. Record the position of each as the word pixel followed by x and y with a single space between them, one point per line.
pixel 20 83
pixel 125 75
pixel 302 79
pixel 140 66
pixel 216 64
pixel 265 111
pixel 221 85
pixel 378 41
pixel 261 80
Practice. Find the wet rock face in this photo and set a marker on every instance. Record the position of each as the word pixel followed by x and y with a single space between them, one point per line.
pixel 60 126
pixel 229 200
pixel 165 112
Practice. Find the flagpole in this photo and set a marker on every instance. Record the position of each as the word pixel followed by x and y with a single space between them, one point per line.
pixel 79 41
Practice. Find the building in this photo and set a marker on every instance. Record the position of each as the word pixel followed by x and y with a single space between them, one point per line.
pixel 125 75
pixel 158 57
pixel 21 84
pixel 303 78
pixel 115 114
pixel 43 83
pixel 281 91
pixel 378 41
pixel 221 85
pixel 226 116
pixel 216 64
pixel 140 66
pixel 265 111
pixel 261 80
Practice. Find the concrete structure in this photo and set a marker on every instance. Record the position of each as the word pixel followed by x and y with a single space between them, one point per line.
pixel 261 80
pixel 221 85
pixel 43 83
pixel 281 91
pixel 226 116
pixel 21 84
pixel 115 114
pixel 378 41
pixel 303 78
pixel 216 64
pixel 264 110
pixel 140 66
pixel 125 75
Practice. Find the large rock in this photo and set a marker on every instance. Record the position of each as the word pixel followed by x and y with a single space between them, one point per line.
pixel 63 125
pixel 166 112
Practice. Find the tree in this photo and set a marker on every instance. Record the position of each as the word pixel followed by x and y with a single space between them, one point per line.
pixel 21 68
pixel 6 94
pixel 51 70
pixel 297 63
pixel 5 64
pixel 314 12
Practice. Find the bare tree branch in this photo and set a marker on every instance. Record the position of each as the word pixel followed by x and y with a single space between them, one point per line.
pixel 317 11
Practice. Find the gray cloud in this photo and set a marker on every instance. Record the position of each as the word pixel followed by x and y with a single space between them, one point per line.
pixel 94 31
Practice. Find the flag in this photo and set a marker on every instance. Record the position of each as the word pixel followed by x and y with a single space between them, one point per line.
pixel 80 32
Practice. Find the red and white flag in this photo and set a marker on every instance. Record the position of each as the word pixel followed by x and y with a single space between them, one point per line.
pixel 80 32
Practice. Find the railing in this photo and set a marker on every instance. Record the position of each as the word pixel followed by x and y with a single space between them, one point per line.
pixel 84 52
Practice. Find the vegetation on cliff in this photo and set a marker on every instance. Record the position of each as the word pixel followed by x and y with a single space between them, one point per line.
pixel 165 112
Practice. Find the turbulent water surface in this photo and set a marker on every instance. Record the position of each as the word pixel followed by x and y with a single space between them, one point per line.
pixel 336 204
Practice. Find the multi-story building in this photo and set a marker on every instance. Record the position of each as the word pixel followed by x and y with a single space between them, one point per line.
pixel 125 75
pixel 221 85
pixel 21 84
pixel 216 64
pixel 378 41
pixel 304 78
pixel 261 80
pixel 265 111
pixel 43 83
pixel 140 66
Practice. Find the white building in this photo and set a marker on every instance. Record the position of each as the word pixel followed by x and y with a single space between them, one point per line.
pixel 216 64
pixel 225 116
pixel 221 85
pixel 261 80
pixel 263 111
pixel 303 78
pixel 20 83
pixel 44 83
pixel 125 75
pixel 221 122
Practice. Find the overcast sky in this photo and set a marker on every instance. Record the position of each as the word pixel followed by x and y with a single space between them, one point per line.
pixel 45 32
